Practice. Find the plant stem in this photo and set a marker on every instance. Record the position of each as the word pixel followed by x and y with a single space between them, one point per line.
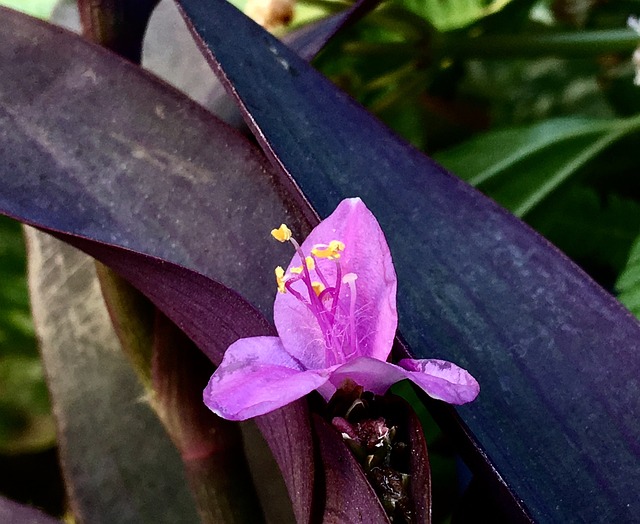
pixel 118 25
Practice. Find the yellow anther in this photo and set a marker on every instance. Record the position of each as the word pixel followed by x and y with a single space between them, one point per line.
pixel 280 279
pixel 311 264
pixel 282 234
pixel 330 251
pixel 318 287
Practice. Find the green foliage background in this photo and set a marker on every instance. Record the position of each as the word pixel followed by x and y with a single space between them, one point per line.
pixel 25 420
pixel 39 8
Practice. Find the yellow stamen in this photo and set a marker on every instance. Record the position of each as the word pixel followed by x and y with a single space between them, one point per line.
pixel 331 251
pixel 282 234
pixel 280 279
pixel 311 264
pixel 318 287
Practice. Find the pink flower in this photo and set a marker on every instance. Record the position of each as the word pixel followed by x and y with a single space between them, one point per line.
pixel 336 319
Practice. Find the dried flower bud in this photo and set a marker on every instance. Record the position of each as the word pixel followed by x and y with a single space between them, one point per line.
pixel 270 14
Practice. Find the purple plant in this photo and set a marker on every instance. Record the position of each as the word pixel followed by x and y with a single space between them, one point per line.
pixel 103 156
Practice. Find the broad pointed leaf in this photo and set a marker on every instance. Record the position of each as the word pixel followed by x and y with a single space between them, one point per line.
pixel 309 40
pixel 76 123
pixel 556 356
pixel 73 129
pixel 522 167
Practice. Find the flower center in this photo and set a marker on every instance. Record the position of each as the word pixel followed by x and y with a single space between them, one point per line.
pixel 329 293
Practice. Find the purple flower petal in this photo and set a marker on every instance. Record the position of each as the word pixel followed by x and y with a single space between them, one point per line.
pixel 372 374
pixel 442 380
pixel 367 255
pixel 336 321
pixel 257 376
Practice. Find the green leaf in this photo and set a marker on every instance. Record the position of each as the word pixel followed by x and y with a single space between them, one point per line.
pixel 25 420
pixel 521 167
pixel 453 14
pixel 594 231
pixel 26 424
pixel 39 8
pixel 16 329
pixel 628 283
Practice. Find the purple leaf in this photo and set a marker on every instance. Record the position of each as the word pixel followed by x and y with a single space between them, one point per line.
pixel 93 146
pixel 14 513
pixel 214 316
pixel 556 355
pixel 420 486
pixel 211 314
pixel 288 433
pixel 309 40
pixel 197 304
pixel 68 159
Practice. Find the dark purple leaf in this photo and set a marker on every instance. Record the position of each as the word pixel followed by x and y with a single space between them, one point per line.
pixel 288 433
pixel 75 126
pixel 14 513
pixel 214 316
pixel 556 356
pixel 347 495
pixel 211 314
pixel 93 146
pixel 420 471
pixel 309 40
